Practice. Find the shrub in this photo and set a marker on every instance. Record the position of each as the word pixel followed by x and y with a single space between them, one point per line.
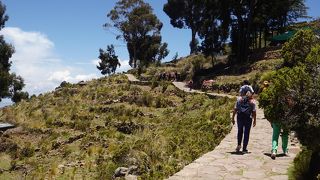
pixel 296 50
pixel 301 165
pixel 27 151
pixel 293 100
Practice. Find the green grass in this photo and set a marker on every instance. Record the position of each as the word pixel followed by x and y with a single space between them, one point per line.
pixel 86 132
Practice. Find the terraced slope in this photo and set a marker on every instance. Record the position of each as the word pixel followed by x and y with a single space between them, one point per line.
pixel 88 130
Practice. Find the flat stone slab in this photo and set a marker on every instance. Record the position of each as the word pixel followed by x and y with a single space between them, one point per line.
pixel 6 126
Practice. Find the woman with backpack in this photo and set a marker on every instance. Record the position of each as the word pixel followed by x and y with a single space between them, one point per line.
pixel 245 108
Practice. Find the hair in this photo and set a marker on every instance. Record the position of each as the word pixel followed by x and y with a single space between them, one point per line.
pixel 246 82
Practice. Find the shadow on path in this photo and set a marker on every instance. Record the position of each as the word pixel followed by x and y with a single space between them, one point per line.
pixel 278 155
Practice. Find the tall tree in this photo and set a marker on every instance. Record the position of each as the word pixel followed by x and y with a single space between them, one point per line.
pixel 186 14
pixel 10 84
pixel 139 28
pixel 214 28
pixel 108 61
pixel 248 13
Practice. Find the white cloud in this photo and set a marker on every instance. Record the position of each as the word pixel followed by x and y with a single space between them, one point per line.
pixel 65 75
pixel 124 66
pixel 95 62
pixel 35 60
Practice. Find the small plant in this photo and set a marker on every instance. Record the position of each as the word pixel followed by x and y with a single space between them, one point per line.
pixel 27 151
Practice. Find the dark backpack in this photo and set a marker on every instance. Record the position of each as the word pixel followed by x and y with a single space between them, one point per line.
pixel 245 107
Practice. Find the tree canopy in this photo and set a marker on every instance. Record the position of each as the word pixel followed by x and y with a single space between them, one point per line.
pixel 140 29
pixel 248 23
pixel 186 14
pixel 10 84
pixel 108 61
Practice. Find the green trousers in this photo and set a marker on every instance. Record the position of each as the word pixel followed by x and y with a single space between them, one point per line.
pixel 275 136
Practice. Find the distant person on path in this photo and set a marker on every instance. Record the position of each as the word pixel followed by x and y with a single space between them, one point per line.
pixel 190 84
pixel 245 88
pixel 277 129
pixel 246 111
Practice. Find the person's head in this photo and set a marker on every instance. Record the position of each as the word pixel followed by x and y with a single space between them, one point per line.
pixel 265 83
pixel 246 82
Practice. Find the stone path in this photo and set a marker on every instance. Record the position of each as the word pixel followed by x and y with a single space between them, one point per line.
pixel 132 77
pixel 224 163
pixel 182 86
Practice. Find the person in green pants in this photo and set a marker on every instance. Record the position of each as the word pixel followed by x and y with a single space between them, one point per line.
pixel 276 126
pixel 275 136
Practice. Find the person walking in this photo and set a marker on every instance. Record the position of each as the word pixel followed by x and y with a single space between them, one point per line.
pixel 245 88
pixel 245 108
pixel 278 130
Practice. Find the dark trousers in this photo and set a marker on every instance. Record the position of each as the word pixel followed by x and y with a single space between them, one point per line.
pixel 244 125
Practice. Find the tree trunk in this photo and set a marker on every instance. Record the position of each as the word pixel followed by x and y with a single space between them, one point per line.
pixel 193 44
pixel 260 37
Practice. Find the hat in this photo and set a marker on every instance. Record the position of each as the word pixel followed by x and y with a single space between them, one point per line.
pixel 265 82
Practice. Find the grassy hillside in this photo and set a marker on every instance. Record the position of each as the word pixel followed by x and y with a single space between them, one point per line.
pixel 87 131
pixel 227 76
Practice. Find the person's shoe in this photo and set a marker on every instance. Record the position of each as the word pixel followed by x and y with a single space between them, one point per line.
pixel 273 155
pixel 286 153
pixel 245 151
pixel 238 148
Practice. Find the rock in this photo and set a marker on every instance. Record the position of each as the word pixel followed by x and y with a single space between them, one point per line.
pixel 82 83
pixel 132 169
pixel 121 171
pixel 116 100
pixel 131 177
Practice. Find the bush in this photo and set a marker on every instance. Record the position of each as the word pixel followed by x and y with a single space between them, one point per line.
pixel 301 165
pixel 293 98
pixel 296 50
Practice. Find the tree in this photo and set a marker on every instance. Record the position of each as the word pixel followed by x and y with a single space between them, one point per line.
pixel 297 49
pixel 10 84
pixel 140 29
pixel 108 61
pixel 186 14
pixel 250 16
pixel 214 28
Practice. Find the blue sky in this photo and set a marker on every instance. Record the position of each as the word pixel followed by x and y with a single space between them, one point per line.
pixel 59 40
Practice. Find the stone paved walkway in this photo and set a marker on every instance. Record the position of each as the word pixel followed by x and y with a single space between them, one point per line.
pixel 224 163
pixel 131 77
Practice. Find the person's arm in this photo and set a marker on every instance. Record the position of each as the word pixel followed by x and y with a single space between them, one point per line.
pixel 254 115
pixel 233 115
pixel 234 112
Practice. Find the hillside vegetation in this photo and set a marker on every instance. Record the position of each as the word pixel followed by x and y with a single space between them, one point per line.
pixel 227 77
pixel 88 131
